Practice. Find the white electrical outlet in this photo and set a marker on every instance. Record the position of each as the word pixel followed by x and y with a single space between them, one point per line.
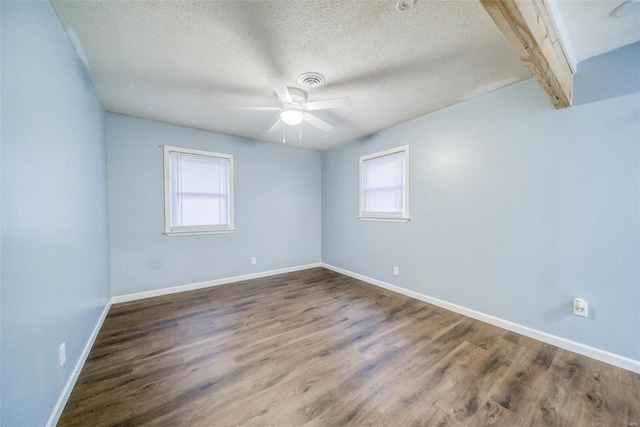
pixel 62 355
pixel 396 271
pixel 253 260
pixel 580 307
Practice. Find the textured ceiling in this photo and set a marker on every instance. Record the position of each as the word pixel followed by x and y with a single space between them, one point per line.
pixel 187 62
pixel 591 29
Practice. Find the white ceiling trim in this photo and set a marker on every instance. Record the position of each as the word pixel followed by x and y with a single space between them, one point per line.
pixel 561 31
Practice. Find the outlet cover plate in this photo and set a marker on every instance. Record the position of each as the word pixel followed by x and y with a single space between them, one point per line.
pixel 580 307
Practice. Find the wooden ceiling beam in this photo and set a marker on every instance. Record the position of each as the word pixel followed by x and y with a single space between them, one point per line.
pixel 529 28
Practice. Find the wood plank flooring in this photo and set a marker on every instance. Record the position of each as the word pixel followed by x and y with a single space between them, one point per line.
pixel 317 348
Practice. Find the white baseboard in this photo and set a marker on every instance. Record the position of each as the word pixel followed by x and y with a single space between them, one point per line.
pixel 585 350
pixel 209 283
pixel 66 391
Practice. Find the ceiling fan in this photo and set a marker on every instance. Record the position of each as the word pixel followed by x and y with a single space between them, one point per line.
pixel 295 108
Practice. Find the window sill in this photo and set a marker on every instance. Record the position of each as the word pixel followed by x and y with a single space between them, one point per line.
pixel 368 218
pixel 196 233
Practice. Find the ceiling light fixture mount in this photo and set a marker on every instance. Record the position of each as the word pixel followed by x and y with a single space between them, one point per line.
pixel 405 4
pixel 629 7
pixel 311 80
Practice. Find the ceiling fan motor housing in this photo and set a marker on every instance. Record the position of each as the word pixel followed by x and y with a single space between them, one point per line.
pixel 298 96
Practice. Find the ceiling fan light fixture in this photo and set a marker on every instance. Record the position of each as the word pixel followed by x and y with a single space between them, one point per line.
pixel 292 116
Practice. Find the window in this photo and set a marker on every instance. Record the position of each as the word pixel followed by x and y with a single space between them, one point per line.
pixel 384 185
pixel 198 192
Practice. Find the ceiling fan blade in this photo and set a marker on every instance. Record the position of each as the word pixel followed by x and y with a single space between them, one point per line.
pixel 281 89
pixel 320 124
pixel 276 126
pixel 256 108
pixel 328 103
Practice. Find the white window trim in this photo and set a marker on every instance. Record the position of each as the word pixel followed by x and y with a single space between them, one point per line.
pixel 196 230
pixel 381 216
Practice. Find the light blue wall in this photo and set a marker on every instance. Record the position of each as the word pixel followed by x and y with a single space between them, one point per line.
pixel 55 265
pixel 277 209
pixel 606 76
pixel 0 220
pixel 516 209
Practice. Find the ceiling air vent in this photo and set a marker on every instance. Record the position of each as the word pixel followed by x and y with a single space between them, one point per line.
pixel 311 80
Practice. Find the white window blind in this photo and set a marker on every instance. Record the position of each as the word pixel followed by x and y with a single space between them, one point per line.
pixel 384 185
pixel 199 194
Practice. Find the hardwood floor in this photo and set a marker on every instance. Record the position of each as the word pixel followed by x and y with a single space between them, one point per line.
pixel 318 348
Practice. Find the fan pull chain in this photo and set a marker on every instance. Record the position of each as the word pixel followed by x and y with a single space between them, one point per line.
pixel 284 133
pixel 300 135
